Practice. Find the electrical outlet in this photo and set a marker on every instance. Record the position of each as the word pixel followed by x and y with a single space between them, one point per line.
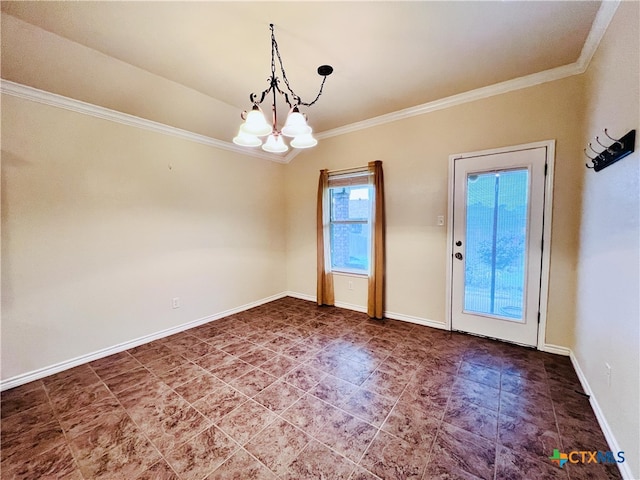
pixel 175 302
pixel 608 373
pixel 350 285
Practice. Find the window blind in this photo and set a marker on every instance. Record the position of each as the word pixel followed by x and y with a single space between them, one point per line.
pixel 347 179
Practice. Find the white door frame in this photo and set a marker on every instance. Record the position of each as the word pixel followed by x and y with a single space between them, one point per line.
pixel 546 228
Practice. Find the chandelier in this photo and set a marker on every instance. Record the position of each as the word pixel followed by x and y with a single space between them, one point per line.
pixel 255 125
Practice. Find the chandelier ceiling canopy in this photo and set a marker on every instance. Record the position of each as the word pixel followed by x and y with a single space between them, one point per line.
pixel 255 124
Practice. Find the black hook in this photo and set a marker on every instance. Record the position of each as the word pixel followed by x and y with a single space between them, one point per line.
pixel 600 143
pixel 608 149
pixel 587 155
pixel 593 149
pixel 615 151
pixel 585 152
pixel 611 138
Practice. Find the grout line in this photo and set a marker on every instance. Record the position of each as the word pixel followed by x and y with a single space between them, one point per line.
pixel 352 328
pixel 497 440
pixel 64 432
pixel 140 430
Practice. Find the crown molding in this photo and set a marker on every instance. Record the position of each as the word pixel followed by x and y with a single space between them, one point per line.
pixel 52 99
pixel 459 99
pixel 600 24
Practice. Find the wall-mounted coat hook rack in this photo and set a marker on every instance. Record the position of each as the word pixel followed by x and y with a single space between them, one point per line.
pixel 620 148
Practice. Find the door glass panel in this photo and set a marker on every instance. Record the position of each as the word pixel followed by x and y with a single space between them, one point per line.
pixel 496 237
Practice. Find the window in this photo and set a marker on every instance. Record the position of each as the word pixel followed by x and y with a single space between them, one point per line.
pixel 350 198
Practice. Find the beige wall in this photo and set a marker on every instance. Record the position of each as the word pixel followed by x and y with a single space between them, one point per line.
pixel 415 153
pixel 120 83
pixel 608 315
pixel 103 224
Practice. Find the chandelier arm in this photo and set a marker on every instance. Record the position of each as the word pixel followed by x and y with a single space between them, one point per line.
pixel 253 96
pixel 284 94
pixel 274 112
pixel 274 142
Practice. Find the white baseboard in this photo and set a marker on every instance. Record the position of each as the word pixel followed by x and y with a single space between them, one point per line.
pixel 18 380
pixel 313 298
pixel 301 296
pixel 351 306
pixel 558 350
pixel 624 467
pixel 419 320
pixel 105 352
pixel 392 315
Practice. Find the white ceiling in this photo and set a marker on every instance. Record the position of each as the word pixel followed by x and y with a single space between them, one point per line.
pixel 193 65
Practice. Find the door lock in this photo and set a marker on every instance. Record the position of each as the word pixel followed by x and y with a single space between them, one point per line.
pixel 458 256
pixel 458 243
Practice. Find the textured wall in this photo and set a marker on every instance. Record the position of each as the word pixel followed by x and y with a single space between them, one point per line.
pixel 608 313
pixel 103 224
pixel 415 153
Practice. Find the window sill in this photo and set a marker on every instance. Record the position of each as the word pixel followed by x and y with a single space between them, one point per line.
pixel 347 273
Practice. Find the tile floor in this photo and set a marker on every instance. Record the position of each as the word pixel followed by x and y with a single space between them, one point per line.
pixel 289 390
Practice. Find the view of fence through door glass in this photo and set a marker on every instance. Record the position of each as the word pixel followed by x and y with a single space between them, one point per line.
pixel 496 227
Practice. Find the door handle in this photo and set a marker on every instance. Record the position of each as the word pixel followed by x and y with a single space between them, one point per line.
pixel 458 256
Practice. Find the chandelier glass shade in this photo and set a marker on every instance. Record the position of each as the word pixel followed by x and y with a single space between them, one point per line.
pixel 255 124
pixel 305 140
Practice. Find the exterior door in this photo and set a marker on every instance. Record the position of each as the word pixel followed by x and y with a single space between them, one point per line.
pixel 498 212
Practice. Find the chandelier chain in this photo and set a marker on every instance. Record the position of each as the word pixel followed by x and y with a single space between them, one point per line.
pixel 255 124
pixel 296 97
